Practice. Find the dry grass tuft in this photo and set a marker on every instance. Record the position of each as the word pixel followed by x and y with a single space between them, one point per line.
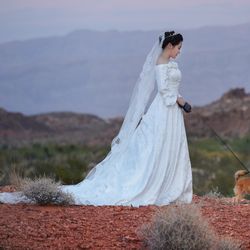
pixel 181 227
pixel 44 190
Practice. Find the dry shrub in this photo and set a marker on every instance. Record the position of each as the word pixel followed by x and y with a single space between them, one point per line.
pixel 41 190
pixel 16 177
pixel 214 193
pixel 227 244
pixel 179 227
pixel 44 190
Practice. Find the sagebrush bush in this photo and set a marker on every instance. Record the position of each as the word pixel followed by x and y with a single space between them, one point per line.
pixel 44 190
pixel 178 227
pixel 214 193
pixel 227 244
pixel 16 176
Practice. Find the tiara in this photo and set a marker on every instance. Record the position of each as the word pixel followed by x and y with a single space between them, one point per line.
pixel 172 34
pixel 162 36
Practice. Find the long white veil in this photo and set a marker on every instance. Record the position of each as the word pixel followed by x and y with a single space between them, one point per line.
pixel 137 106
pixel 141 93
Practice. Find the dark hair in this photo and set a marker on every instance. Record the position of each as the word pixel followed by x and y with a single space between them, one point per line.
pixel 171 37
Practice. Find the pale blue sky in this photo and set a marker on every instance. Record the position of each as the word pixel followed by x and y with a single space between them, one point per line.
pixel 22 19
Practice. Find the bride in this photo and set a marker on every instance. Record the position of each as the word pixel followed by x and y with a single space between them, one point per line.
pixel 149 159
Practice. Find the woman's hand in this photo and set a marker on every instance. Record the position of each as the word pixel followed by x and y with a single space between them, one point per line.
pixel 181 101
pixel 184 105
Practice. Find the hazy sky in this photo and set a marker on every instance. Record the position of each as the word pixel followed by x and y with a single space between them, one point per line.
pixel 21 19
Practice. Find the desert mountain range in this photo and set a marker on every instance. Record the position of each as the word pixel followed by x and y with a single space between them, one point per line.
pixel 229 116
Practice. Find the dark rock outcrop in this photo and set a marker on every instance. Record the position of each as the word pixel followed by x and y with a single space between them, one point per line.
pixel 229 116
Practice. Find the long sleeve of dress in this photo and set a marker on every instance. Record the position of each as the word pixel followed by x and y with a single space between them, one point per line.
pixel 168 94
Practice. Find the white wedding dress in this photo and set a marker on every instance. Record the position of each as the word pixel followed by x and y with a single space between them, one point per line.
pixel 155 168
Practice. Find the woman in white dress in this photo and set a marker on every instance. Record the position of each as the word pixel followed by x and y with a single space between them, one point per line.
pixel 149 158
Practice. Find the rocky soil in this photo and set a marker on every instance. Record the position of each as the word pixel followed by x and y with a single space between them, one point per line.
pixel 24 226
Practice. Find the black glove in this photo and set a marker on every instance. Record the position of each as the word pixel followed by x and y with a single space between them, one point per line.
pixel 186 107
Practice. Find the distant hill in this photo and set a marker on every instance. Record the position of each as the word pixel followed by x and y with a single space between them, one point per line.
pixel 229 116
pixel 94 72
pixel 60 127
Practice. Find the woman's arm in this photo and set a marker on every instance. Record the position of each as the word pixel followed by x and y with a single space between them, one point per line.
pixel 169 97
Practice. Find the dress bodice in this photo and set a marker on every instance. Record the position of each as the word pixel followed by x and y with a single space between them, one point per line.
pixel 168 78
pixel 168 73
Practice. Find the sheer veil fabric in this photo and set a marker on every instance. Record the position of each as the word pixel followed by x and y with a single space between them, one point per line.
pixel 149 159
pixel 139 99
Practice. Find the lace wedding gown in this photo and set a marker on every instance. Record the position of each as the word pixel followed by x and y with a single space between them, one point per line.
pixel 155 168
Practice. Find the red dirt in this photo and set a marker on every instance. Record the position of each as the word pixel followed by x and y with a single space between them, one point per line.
pixel 24 226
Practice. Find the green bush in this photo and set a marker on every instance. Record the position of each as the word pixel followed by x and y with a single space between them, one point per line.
pixel 213 165
pixel 66 163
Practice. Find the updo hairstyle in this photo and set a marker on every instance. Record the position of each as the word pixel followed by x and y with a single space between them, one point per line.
pixel 171 37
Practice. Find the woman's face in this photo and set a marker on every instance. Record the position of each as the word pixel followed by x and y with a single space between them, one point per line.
pixel 175 50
